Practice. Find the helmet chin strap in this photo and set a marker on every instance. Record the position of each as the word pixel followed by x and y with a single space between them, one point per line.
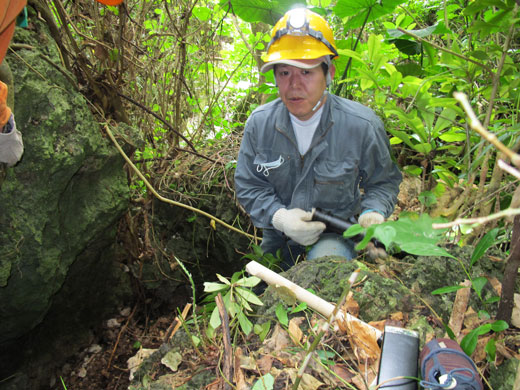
pixel 319 101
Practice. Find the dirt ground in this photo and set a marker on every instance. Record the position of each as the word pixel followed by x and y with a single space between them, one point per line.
pixel 103 364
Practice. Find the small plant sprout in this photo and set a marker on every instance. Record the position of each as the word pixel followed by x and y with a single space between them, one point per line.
pixel 237 297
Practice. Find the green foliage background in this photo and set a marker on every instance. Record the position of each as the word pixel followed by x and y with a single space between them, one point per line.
pixel 186 74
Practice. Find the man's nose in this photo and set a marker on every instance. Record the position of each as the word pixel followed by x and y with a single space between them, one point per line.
pixel 295 79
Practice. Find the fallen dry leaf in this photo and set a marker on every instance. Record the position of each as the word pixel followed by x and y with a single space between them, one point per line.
pixel 278 340
pixel 351 306
pixel 295 332
pixel 238 374
pixel 343 372
pixel 363 340
pixel 378 324
pixel 308 382
pixel 480 354
pixel 515 316
pixel 264 364
pixel 460 306
pixel 360 382
pixel 496 284
pixel 135 361
pixel 398 316
pixel 471 320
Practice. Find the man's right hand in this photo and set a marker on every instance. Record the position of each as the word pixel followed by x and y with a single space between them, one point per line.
pixel 297 224
pixel 5 112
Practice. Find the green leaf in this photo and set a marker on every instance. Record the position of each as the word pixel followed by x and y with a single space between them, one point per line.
pixel 352 231
pixel 453 135
pixel 214 320
pixel 213 286
pixel 259 10
pixel 427 198
pixel 244 322
pixel 262 329
pixel 202 13
pixel 413 170
pixel 469 342
pixel 483 245
pixel 358 11
pixel 447 289
pixel 499 326
pixel 450 333
pixel 364 242
pixel 249 296
pixel 491 300
pixel 223 279
pixel 301 307
pixel 478 284
pixel 281 314
pixel 407 46
pixel 242 302
pixel 491 349
pixel 350 53
pixel 423 147
pixel 266 382
pixel 386 234
pixel 424 249
pixel 251 281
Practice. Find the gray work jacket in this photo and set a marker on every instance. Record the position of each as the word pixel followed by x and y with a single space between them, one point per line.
pixel 349 151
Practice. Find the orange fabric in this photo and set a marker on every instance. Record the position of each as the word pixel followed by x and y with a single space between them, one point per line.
pixel 5 38
pixel 110 2
pixel 5 112
pixel 9 10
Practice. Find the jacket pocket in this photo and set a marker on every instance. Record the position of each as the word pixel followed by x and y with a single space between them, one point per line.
pixel 276 170
pixel 335 184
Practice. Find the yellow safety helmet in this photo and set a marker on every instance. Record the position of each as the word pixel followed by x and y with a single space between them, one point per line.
pixel 299 35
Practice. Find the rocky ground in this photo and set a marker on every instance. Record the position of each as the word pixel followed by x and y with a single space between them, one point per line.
pixel 395 291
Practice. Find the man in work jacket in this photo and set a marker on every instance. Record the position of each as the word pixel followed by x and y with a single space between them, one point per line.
pixel 311 149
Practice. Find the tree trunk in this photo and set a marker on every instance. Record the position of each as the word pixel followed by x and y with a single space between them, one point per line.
pixel 505 307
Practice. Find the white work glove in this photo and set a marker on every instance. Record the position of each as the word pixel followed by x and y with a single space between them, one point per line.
pixel 11 147
pixel 370 218
pixel 297 224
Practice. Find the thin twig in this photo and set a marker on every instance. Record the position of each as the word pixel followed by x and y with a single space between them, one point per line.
pixel 488 136
pixel 508 168
pixel 480 220
pixel 228 352
pixel 123 329
pixel 487 68
pixel 166 200
pixel 178 322
pixel 325 328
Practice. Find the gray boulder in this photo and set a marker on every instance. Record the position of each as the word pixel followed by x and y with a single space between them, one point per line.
pixel 60 206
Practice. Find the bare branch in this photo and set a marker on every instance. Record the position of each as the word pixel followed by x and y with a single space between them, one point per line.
pixel 480 220
pixel 488 136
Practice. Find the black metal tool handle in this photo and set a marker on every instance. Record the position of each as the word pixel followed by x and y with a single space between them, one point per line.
pixel 335 224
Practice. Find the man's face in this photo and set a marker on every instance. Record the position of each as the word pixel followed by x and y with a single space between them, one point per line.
pixel 301 89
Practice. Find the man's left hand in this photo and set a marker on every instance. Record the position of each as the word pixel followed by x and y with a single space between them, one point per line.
pixel 370 218
pixel 373 218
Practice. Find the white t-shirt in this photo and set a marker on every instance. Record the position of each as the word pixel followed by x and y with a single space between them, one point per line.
pixel 304 130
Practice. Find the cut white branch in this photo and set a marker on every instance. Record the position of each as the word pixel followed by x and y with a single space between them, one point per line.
pixel 316 303
pixel 510 212
pixel 509 169
pixel 488 136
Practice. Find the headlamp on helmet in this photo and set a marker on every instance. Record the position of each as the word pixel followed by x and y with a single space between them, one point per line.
pixel 298 24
